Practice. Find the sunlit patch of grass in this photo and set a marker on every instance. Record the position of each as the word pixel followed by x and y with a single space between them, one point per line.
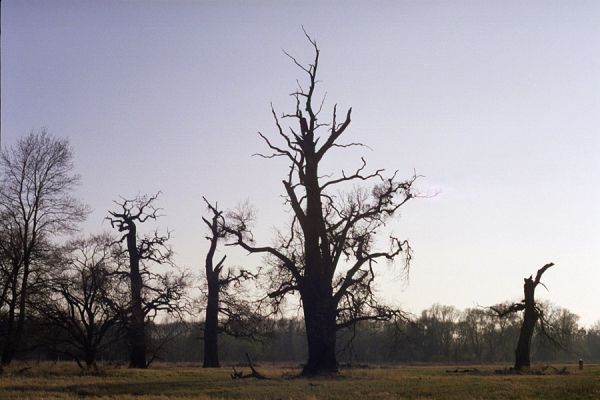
pixel 182 382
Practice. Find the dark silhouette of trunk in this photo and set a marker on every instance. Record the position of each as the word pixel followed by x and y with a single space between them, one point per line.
pixel 8 351
pixel 213 278
pixel 316 290
pixel 137 334
pixel 22 303
pixel 530 317
pixel 211 328
pixel 90 360
pixel 320 322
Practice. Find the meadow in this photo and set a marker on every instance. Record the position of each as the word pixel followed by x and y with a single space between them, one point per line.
pixel 185 382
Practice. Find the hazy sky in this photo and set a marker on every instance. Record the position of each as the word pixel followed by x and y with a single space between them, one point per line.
pixel 496 103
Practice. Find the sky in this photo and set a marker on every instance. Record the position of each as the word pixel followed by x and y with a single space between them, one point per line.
pixel 496 104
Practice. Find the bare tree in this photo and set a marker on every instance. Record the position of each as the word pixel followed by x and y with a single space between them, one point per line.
pixel 329 254
pixel 83 299
pixel 532 314
pixel 36 204
pixel 150 292
pixel 226 311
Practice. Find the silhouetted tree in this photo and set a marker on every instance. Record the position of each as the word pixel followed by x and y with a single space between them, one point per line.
pixel 36 183
pixel 84 298
pixel 532 314
pixel 328 255
pixel 150 292
pixel 226 312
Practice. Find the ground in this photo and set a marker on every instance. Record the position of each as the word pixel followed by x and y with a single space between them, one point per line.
pixel 168 381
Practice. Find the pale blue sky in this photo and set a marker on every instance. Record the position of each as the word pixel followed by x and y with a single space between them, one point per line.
pixel 496 103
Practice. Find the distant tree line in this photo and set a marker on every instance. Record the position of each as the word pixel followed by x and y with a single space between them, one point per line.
pixel 441 334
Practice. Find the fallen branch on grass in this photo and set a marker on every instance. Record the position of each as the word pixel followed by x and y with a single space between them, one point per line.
pixel 253 374
pixel 463 371
pixel 22 370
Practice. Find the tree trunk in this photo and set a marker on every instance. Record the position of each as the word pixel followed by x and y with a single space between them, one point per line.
pixel 22 306
pixel 317 293
pixel 15 332
pixel 530 317
pixel 90 360
pixel 137 334
pixel 137 344
pixel 8 351
pixel 7 354
pixel 211 333
pixel 320 321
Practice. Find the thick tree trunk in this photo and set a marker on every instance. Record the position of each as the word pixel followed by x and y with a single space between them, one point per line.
pixel 317 293
pixel 320 320
pixel 90 360
pixel 137 344
pixel 530 317
pixel 211 333
pixel 137 334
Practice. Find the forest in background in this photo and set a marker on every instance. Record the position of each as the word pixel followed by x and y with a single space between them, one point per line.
pixel 441 334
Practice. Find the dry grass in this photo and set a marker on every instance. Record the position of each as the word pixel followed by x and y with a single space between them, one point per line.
pixel 181 382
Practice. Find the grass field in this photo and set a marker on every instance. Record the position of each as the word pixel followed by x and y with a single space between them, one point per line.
pixel 164 381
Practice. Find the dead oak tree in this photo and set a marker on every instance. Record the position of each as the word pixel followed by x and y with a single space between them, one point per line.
pixel 150 292
pixel 329 254
pixel 532 314
pixel 226 312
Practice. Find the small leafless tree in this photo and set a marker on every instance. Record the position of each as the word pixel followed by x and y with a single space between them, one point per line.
pixel 151 292
pixel 84 299
pixel 226 311
pixel 329 254
pixel 532 314
pixel 36 204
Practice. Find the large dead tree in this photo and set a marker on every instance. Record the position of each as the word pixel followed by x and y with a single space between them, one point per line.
pixel 226 311
pixel 150 292
pixel 532 314
pixel 329 254
pixel 36 204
